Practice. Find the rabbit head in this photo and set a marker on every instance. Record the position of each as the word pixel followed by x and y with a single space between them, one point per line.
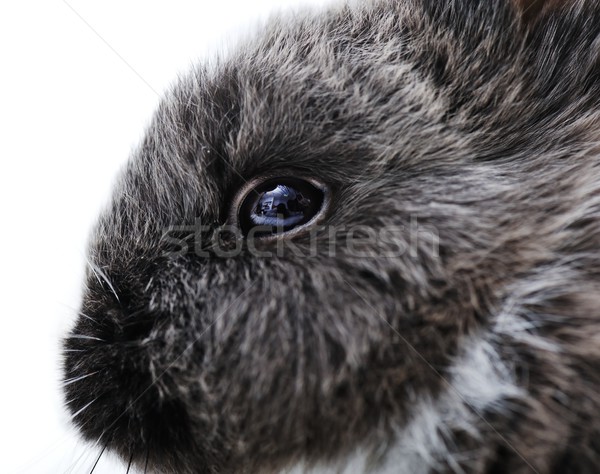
pixel 372 231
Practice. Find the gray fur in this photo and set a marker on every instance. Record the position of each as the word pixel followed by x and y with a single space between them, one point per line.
pixel 467 116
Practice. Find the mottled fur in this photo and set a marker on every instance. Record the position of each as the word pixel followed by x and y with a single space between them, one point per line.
pixel 478 120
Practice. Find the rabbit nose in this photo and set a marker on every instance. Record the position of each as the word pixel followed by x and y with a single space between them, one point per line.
pixel 117 389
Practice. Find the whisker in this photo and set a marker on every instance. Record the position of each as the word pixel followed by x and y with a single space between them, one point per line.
pixel 81 313
pixel 95 445
pixel 82 409
pixel 77 379
pixel 98 459
pixel 81 336
pixel 73 465
pixel 147 457
pixel 149 284
pixel 130 461
pixel 102 278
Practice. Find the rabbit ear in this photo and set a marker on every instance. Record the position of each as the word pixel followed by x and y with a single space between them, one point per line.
pixel 531 10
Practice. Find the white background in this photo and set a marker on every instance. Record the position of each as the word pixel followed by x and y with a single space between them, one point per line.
pixel 79 81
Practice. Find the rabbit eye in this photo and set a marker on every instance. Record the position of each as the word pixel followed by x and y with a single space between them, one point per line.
pixel 281 205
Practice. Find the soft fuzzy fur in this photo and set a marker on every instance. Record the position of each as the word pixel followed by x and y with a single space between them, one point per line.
pixel 480 354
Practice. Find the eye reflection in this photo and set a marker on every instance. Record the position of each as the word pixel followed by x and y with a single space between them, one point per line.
pixel 280 205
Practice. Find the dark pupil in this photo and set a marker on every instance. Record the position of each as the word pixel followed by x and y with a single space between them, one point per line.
pixel 280 206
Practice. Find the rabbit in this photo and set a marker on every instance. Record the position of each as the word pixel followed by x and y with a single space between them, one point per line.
pixel 366 240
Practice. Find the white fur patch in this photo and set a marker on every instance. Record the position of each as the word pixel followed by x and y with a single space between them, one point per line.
pixel 480 380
